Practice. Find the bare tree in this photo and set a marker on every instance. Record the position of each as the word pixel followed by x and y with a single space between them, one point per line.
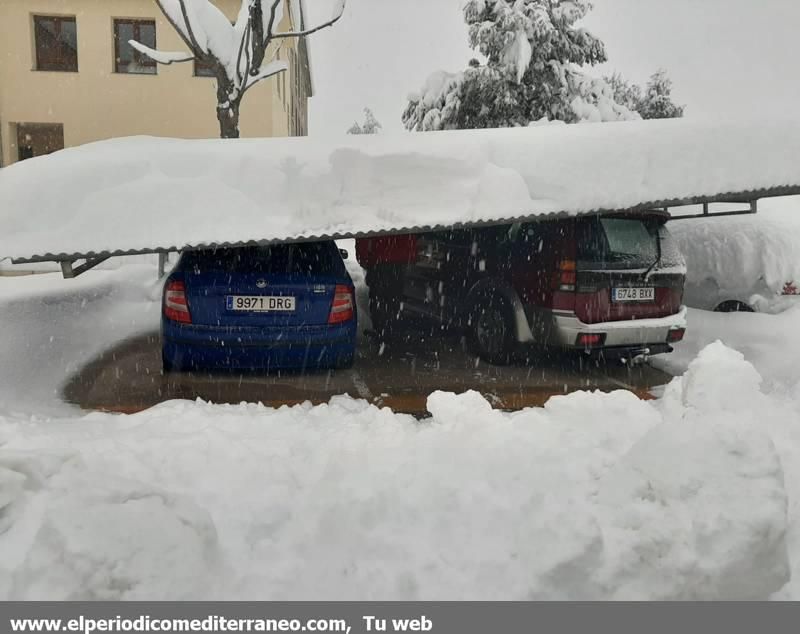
pixel 239 54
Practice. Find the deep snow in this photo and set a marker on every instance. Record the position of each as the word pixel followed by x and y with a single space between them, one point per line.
pixel 593 496
pixel 145 193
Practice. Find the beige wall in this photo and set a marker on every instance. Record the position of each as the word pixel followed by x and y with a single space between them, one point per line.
pixel 96 103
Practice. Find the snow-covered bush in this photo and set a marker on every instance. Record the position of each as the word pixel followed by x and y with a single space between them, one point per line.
pixel 535 58
pixel 370 126
pixel 654 102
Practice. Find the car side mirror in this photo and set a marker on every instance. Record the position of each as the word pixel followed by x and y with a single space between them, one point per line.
pixel 344 253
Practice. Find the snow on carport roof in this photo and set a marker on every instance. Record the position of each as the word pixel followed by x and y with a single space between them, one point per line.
pixel 138 195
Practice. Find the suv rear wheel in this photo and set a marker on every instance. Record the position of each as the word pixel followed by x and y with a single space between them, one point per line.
pixel 734 306
pixel 385 294
pixel 383 309
pixel 491 329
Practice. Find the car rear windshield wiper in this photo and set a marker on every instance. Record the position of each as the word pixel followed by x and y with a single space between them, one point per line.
pixel 658 257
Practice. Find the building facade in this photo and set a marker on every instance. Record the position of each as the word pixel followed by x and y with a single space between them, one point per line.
pixel 68 77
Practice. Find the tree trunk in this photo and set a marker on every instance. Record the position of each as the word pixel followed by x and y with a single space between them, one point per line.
pixel 228 117
pixel 227 108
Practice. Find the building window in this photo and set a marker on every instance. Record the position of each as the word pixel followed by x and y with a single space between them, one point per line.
pixel 38 139
pixel 203 69
pixel 56 43
pixel 126 58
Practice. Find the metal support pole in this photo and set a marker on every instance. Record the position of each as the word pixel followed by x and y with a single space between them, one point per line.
pixel 70 271
pixel 162 264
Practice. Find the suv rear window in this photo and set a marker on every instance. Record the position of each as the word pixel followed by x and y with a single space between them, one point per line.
pixel 309 258
pixel 625 243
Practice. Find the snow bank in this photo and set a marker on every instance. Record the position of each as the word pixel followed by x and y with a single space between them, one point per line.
pixel 594 496
pixel 769 342
pixel 138 194
pixel 51 327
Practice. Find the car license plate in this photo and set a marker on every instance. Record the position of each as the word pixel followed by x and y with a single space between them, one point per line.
pixel 639 294
pixel 260 303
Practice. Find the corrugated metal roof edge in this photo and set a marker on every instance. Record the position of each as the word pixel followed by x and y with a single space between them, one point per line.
pixel 731 197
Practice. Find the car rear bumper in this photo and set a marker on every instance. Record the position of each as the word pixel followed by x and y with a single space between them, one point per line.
pixel 630 334
pixel 193 347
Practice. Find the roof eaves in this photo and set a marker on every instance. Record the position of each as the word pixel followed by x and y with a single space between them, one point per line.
pixel 739 197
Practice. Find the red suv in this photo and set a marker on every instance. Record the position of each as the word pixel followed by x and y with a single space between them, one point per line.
pixel 610 284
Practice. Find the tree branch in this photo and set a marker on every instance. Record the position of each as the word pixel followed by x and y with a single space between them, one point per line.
pixel 319 27
pixel 175 26
pixel 239 55
pixel 267 71
pixel 272 14
pixel 162 57
pixel 195 46
pixel 257 41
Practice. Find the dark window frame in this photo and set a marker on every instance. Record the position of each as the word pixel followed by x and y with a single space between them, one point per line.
pixel 46 60
pixel 197 64
pixel 139 58
pixel 45 138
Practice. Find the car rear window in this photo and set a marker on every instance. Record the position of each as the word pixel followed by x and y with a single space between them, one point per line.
pixel 312 258
pixel 624 243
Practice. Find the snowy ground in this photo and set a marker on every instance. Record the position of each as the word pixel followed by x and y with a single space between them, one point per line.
pixel 696 495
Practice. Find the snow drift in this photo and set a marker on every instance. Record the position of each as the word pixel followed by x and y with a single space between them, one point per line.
pixel 594 496
pixel 141 194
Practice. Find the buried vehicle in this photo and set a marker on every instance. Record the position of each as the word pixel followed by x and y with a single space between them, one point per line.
pixel 607 284
pixel 289 306
pixel 744 264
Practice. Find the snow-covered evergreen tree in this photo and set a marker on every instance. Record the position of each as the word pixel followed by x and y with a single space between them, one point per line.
pixel 657 99
pixel 370 126
pixel 654 102
pixel 625 93
pixel 535 58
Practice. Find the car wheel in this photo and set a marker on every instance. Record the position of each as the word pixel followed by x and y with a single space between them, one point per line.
pixel 344 363
pixel 169 366
pixel 734 306
pixel 385 296
pixel 383 312
pixel 491 329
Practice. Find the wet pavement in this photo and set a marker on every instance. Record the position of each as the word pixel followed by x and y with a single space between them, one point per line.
pixel 128 378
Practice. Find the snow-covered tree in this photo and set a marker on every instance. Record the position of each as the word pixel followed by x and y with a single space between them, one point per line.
pixel 240 54
pixel 657 99
pixel 625 93
pixel 654 102
pixel 535 58
pixel 370 126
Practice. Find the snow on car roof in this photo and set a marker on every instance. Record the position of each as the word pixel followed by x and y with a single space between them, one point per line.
pixel 142 194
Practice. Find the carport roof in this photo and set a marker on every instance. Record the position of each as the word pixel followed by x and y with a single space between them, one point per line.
pixel 144 195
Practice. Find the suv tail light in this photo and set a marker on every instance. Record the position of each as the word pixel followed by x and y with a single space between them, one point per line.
pixel 175 306
pixel 566 276
pixel 675 334
pixel 591 339
pixel 342 308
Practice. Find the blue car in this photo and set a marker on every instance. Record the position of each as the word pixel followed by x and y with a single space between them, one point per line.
pixel 289 306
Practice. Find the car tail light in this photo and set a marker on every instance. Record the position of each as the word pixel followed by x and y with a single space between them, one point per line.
pixel 566 276
pixel 342 308
pixel 175 306
pixel 675 334
pixel 591 339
